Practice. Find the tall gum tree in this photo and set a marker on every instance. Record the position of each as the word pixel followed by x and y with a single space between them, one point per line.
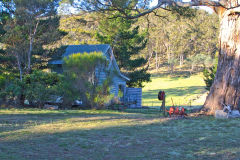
pixel 32 24
pixel 226 86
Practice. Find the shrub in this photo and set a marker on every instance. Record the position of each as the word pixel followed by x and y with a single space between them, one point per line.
pixel 4 82
pixel 36 87
pixel 209 75
pixel 39 86
pixel 2 86
pixel 81 80
pixel 14 89
pixel 101 95
pixel 68 91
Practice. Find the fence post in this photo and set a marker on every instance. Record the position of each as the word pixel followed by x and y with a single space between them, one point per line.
pixel 163 106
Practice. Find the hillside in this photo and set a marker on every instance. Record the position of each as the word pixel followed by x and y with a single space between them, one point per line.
pixel 183 90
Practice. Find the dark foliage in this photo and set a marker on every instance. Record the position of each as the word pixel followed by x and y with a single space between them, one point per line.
pixel 209 75
pixel 127 44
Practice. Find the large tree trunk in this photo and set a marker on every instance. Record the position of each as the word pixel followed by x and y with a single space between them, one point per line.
pixel 226 86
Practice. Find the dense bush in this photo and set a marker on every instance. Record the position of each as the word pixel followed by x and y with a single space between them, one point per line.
pixel 2 86
pixel 101 95
pixel 14 90
pixel 67 89
pixel 40 86
pixel 4 82
pixel 81 81
pixel 36 87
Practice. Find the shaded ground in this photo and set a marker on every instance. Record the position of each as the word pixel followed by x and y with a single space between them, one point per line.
pixel 100 135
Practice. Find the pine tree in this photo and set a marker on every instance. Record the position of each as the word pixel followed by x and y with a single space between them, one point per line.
pixel 127 43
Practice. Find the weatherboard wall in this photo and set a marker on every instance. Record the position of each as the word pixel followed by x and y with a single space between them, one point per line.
pixel 134 97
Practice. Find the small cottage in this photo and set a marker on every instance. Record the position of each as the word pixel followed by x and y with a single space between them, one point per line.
pixel 119 80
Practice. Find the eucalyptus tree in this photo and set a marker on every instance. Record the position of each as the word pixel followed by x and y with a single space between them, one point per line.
pixel 33 23
pixel 226 86
pixel 178 39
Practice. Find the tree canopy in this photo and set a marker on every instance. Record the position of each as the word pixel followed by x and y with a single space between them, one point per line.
pixel 31 25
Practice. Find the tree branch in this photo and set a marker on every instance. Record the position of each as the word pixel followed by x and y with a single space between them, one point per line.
pixel 107 5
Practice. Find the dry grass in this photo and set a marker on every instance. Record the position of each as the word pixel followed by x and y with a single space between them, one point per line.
pixel 111 135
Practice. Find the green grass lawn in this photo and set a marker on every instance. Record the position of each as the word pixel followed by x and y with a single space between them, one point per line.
pixel 111 135
pixel 183 90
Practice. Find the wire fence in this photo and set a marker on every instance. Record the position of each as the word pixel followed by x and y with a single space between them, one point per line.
pixel 157 104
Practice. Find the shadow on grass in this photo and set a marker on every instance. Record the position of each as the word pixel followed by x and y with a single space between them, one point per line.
pixel 16 121
pixel 195 138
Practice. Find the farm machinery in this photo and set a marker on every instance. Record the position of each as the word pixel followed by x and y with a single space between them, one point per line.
pixel 176 111
pixel 173 111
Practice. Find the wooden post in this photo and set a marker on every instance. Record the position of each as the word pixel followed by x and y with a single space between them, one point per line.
pixel 163 106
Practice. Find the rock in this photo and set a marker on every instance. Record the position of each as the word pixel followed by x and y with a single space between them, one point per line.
pixel 52 107
pixel 219 114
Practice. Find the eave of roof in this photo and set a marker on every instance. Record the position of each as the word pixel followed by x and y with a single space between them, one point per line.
pixel 128 79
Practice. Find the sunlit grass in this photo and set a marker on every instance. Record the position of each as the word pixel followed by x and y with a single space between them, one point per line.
pixel 183 90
